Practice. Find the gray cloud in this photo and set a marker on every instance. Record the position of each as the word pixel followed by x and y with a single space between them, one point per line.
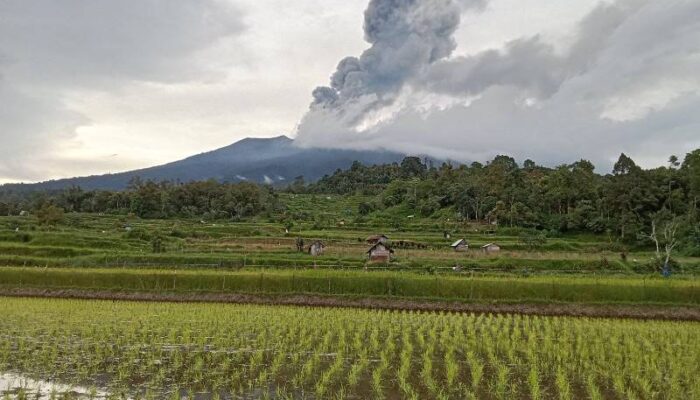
pixel 28 126
pixel 530 63
pixel 50 50
pixel 78 41
pixel 406 36
pixel 627 82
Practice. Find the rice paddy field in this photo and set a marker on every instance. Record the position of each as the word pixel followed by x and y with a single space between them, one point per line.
pixel 159 350
pixel 90 240
pixel 57 348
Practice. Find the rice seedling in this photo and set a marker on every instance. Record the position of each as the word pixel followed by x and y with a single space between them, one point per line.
pixel 164 351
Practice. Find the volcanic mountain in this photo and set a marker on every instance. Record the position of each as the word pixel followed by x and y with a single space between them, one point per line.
pixel 275 161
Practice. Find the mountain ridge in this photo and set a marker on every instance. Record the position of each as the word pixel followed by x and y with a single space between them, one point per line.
pixel 275 160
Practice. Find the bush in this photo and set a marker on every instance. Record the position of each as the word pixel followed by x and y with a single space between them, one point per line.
pixel 656 265
pixel 365 208
pixel 533 239
pixel 50 215
pixel 138 234
pixel 157 245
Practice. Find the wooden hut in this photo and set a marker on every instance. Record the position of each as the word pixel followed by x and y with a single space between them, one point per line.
pixel 380 253
pixel 491 248
pixel 460 246
pixel 374 239
pixel 316 248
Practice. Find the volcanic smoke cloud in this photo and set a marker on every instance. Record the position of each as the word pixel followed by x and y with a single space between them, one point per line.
pixel 627 82
pixel 406 36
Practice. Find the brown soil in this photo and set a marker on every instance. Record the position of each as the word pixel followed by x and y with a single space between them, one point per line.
pixel 645 312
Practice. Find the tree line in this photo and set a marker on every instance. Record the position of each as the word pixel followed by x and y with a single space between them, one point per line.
pixel 631 203
pixel 148 199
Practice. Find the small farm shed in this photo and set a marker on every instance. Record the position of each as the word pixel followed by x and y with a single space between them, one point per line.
pixel 316 248
pixel 374 239
pixel 491 248
pixel 380 253
pixel 460 245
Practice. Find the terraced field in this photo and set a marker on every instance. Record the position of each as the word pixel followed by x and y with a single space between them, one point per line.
pixel 85 240
pixel 383 330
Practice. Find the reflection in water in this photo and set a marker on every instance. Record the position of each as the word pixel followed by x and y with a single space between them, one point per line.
pixel 13 384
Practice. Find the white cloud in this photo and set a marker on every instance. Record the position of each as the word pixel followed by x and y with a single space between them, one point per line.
pixel 627 82
pixel 58 51
pixel 102 86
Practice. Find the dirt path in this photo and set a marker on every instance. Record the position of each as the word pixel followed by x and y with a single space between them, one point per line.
pixel 646 312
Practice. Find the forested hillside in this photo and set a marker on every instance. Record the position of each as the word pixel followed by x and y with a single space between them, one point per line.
pixel 570 197
pixel 633 205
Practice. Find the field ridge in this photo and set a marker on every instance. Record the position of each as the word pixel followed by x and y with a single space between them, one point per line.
pixel 641 312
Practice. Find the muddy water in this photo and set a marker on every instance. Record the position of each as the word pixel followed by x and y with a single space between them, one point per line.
pixel 12 384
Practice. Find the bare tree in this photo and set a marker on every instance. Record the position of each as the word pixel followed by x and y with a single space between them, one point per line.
pixel 654 238
pixel 666 237
pixel 670 239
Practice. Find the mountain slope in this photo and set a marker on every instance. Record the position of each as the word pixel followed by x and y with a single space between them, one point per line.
pixel 276 161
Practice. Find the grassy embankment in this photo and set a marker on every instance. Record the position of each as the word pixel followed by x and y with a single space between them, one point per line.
pixel 397 285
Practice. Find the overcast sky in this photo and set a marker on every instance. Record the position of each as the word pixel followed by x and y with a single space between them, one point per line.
pixel 95 86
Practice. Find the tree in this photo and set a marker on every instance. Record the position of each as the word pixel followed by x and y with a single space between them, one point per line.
pixel 298 185
pixel 673 162
pixel 364 208
pixel 497 213
pixel 691 169
pixel 664 235
pixel 670 238
pixel 50 215
pixel 288 225
pixel 533 239
pixel 412 167
pixel 624 165
pixel 529 164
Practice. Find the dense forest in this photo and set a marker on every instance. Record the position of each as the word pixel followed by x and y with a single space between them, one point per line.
pixel 631 203
pixel 148 199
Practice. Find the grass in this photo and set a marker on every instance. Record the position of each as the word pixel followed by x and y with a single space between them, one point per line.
pixel 107 252
pixel 86 240
pixel 166 350
pixel 565 289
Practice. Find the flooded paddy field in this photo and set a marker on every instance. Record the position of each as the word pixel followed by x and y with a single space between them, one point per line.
pixel 105 349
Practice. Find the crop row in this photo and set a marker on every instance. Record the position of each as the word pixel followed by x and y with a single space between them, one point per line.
pixel 157 350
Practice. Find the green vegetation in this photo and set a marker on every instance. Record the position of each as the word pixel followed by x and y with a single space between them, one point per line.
pixel 126 253
pixel 91 240
pixel 158 350
pixel 569 198
pixel 363 284
pixel 625 205
pixel 568 237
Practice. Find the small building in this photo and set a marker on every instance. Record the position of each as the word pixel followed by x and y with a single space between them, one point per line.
pixel 316 248
pixel 374 239
pixel 491 248
pixel 461 245
pixel 380 253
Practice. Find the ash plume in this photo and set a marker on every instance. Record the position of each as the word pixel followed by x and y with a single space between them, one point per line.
pixel 625 79
pixel 406 37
